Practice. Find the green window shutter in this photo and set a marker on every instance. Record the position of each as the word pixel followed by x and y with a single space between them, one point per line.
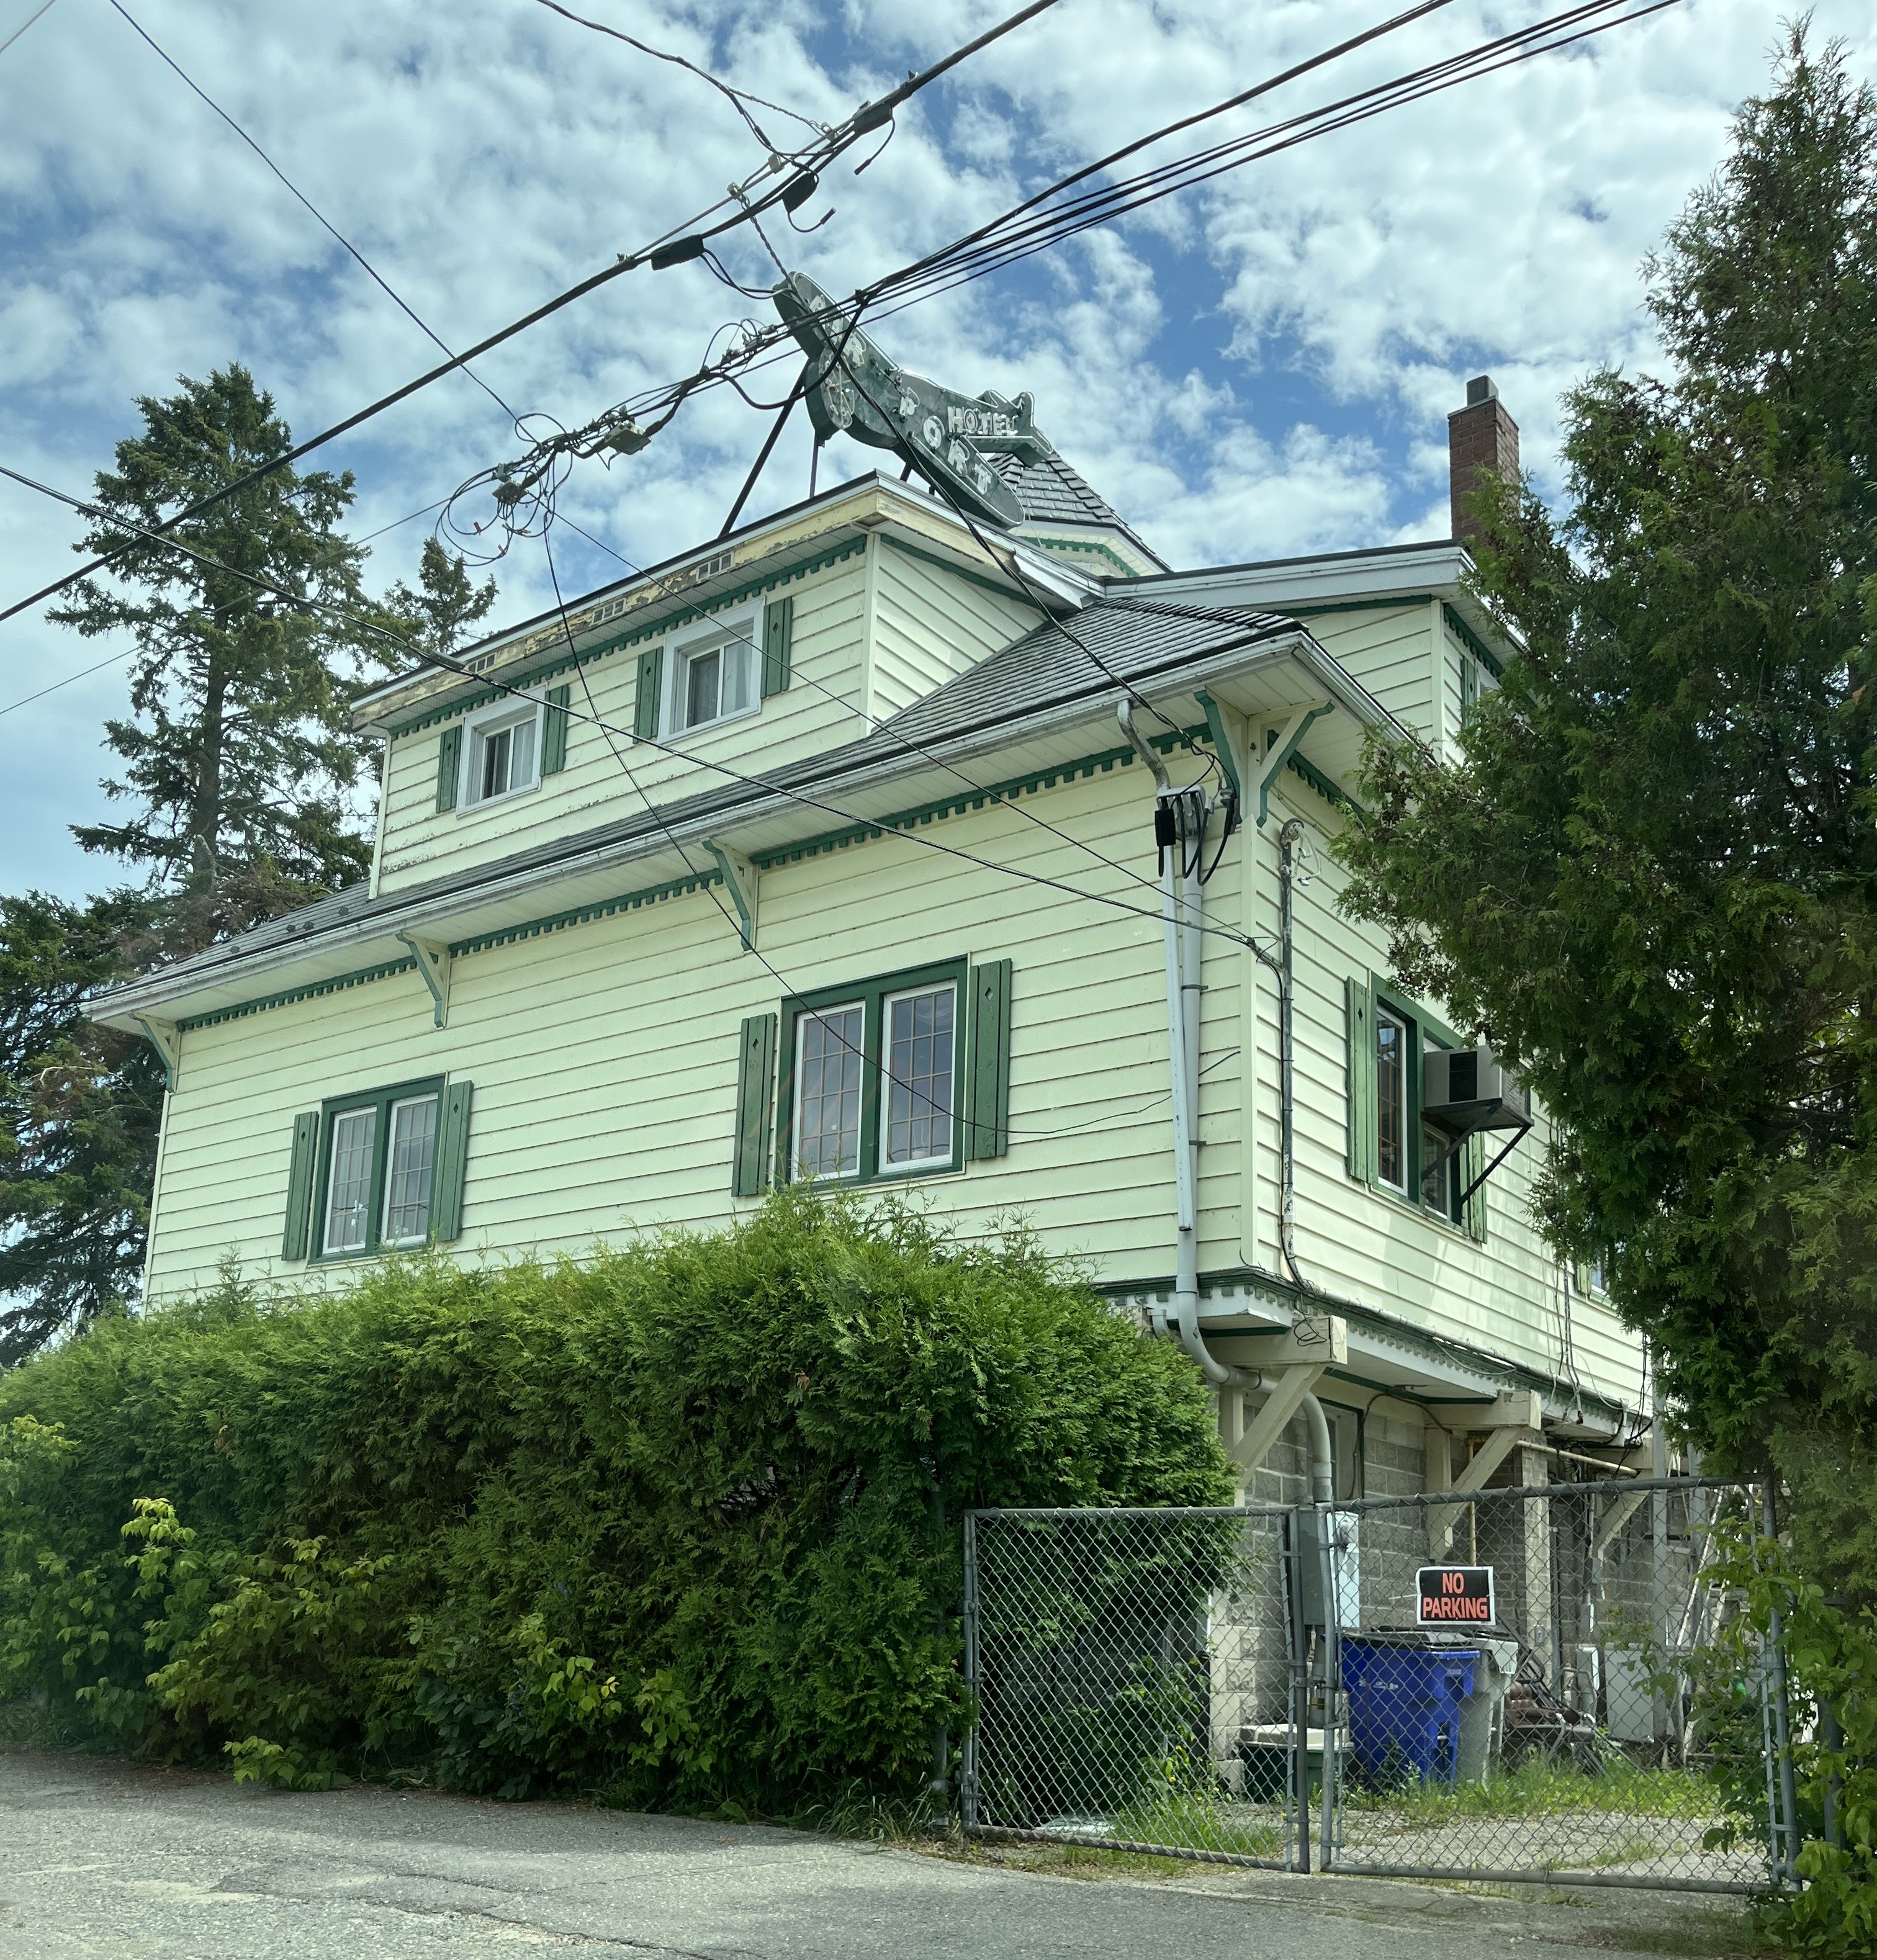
pixel 1580 1277
pixel 452 1162
pixel 1469 686
pixel 988 1063
pixel 449 765
pixel 1359 1075
pixel 756 1090
pixel 778 636
pixel 645 703
pixel 300 1170
pixel 1472 1160
pixel 554 731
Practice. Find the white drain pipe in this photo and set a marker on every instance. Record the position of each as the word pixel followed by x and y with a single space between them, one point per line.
pixel 1179 905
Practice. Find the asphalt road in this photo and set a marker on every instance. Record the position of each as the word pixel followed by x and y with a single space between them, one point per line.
pixel 105 1858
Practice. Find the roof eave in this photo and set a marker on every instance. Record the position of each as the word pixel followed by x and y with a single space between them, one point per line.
pixel 426 913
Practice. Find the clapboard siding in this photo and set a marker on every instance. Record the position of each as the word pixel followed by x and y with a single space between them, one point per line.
pixel 1391 651
pixel 929 625
pixel 605 1057
pixel 816 713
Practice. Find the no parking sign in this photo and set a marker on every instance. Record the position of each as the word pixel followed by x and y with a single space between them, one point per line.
pixel 1454 1595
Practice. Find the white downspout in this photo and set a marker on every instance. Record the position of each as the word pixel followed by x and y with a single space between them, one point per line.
pixel 1181 1047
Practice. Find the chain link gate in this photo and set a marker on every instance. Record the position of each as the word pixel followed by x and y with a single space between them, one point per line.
pixel 1526 1683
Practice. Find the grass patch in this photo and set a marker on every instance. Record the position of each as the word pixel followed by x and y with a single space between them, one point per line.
pixel 1062 1861
pixel 1540 1788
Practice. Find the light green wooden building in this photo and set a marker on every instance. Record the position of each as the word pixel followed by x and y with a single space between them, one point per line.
pixel 824 849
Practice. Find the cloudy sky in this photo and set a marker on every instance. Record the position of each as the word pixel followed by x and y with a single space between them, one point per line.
pixel 1256 369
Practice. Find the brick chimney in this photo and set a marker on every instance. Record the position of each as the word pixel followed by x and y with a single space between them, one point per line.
pixel 1481 438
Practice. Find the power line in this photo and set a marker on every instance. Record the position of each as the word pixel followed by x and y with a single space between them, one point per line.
pixel 446 664
pixel 23 25
pixel 681 242
pixel 371 270
pixel 736 97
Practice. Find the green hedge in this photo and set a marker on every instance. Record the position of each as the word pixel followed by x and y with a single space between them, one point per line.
pixel 678 1525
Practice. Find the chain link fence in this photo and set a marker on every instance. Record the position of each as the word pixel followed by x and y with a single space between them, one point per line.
pixel 1543 1683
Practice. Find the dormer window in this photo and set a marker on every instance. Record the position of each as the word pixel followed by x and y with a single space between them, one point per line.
pixel 503 755
pixel 713 674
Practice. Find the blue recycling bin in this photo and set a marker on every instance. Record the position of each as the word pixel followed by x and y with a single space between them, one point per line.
pixel 1404 1708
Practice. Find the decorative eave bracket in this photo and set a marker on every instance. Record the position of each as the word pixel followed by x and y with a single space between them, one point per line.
pixel 433 962
pixel 167 1039
pixel 1282 746
pixel 744 883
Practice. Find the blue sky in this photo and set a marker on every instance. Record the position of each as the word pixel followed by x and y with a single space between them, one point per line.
pixel 1258 369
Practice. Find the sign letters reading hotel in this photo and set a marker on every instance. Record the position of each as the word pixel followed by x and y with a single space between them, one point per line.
pixel 1454 1595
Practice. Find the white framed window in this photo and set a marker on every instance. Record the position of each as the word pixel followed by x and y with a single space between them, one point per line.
pixel 1391 1099
pixel 410 1169
pixel 713 674
pixel 501 756
pixel 919 1041
pixel 348 1181
pixel 829 1055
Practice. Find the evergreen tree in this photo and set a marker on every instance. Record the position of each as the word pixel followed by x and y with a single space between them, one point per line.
pixel 240 760
pixel 1652 880
pixel 79 1106
pixel 237 749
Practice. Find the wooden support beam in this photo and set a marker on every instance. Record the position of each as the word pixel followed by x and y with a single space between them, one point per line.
pixel 167 1039
pixel 1284 745
pixel 433 962
pixel 1500 1444
pixel 1614 1519
pixel 1249 1449
pixel 744 883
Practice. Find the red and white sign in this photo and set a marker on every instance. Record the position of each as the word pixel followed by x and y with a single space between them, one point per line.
pixel 1454 1595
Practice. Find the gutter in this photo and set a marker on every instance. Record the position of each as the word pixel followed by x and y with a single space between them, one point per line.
pixel 429 911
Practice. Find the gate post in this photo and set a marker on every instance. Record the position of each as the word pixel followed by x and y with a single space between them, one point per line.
pixel 1785 1830
pixel 1297 1845
pixel 968 1772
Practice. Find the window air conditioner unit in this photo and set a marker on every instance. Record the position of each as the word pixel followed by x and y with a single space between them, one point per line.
pixel 1465 1089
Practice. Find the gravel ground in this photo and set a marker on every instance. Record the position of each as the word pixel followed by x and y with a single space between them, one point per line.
pixel 99 1857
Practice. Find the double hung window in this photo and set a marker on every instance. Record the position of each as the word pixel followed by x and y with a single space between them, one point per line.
pixel 873 1077
pixel 1391 1145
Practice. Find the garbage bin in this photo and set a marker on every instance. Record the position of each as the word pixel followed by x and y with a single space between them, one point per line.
pixel 1405 1708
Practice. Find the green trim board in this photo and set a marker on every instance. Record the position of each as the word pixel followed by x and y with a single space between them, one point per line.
pixel 1471 641
pixel 1084 547
pixel 965 572
pixel 287 998
pixel 581 656
pixel 1072 771
pixel 870 996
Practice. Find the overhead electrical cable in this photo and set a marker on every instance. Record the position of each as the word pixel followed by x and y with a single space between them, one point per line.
pixel 736 97
pixel 24 24
pixel 681 242
pixel 371 271
pixel 989 248
pixel 145 535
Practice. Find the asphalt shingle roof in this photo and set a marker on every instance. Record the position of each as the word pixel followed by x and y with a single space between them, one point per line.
pixel 1054 663
pixel 1053 491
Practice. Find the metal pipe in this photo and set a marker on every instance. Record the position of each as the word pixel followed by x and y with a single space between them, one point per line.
pixel 1287 1056
pixel 1185 1314
pixel 1782 1723
pixel 1322 1464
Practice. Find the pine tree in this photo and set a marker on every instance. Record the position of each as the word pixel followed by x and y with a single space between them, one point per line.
pixel 237 749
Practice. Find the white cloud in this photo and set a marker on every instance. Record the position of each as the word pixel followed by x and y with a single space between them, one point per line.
pixel 1261 367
